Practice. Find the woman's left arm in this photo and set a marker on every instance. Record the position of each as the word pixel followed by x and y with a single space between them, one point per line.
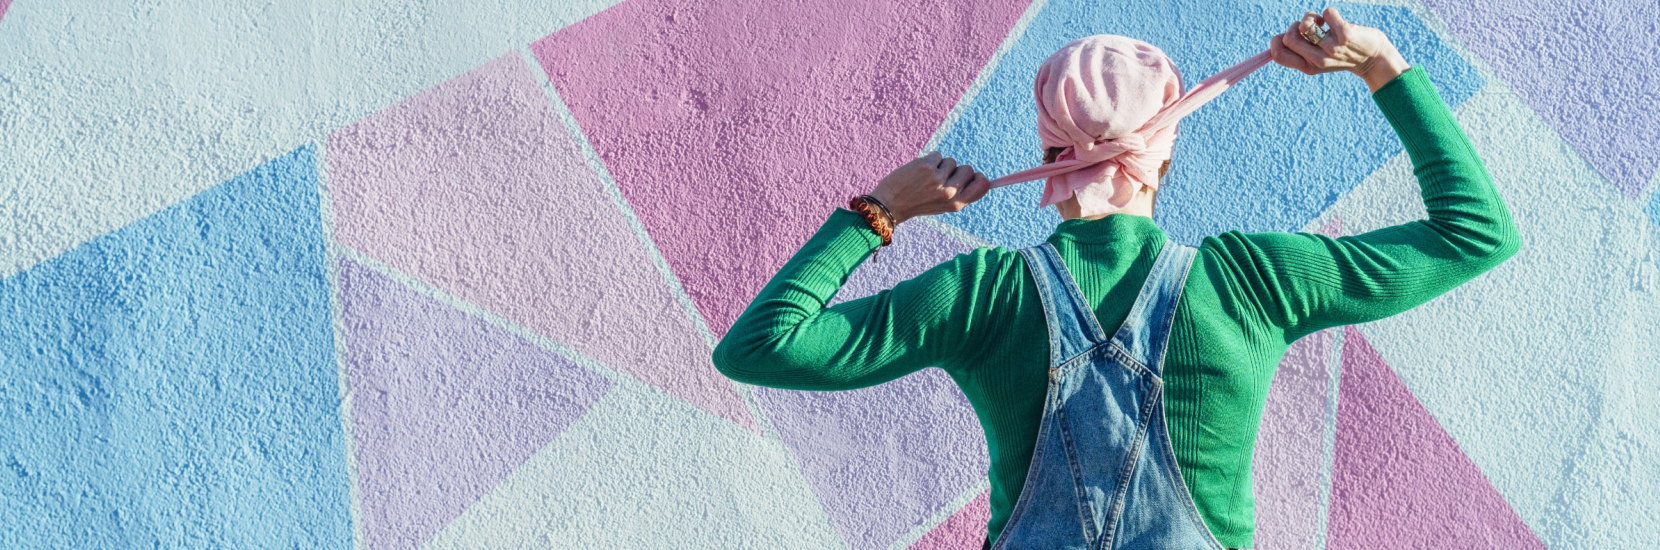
pixel 787 338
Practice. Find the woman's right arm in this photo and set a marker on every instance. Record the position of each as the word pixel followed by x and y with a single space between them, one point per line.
pixel 1308 282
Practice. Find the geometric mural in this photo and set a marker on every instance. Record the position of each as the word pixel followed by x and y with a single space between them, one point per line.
pixel 174 382
pixel 442 275
pixel 1291 452
pixel 1602 102
pixel 883 458
pixel 709 138
pixel 963 529
pixel 1395 466
pixel 475 187
pixel 444 405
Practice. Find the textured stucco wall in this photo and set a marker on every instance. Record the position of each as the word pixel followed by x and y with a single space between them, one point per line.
pixel 435 274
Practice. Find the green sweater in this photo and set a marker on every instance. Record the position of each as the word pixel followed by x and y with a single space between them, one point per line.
pixel 1246 299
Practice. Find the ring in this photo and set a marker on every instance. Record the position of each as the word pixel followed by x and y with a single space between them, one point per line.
pixel 1314 38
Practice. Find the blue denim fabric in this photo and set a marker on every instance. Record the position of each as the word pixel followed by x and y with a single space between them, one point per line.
pixel 1103 474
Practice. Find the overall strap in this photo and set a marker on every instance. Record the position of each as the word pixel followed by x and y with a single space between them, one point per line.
pixel 1073 328
pixel 1146 332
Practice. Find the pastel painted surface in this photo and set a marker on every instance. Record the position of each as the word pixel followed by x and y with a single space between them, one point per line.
pixel 642 468
pixel 964 529
pixel 1491 359
pixel 1289 450
pixel 1395 466
pixel 883 458
pixel 770 114
pixel 444 404
pixel 1654 209
pixel 118 108
pixel 174 382
pixel 476 187
pixel 1599 99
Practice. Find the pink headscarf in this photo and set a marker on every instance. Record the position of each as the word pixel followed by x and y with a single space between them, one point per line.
pixel 1112 102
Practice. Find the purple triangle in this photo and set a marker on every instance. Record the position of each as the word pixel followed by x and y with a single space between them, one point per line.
pixel 1398 479
pixel 444 405
pixel 885 458
pixel 1600 100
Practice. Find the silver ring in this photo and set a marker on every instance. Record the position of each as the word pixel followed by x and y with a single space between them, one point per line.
pixel 1314 38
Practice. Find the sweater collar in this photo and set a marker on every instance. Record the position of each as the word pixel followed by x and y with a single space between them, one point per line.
pixel 1113 227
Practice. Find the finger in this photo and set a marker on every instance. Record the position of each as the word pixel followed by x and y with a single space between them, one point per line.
pixel 1310 27
pixel 1315 56
pixel 1315 21
pixel 945 168
pixel 960 176
pixel 1284 56
pixel 1339 26
pixel 932 159
pixel 1291 40
pixel 976 189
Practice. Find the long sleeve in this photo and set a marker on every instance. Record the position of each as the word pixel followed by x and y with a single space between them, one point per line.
pixel 1305 282
pixel 787 338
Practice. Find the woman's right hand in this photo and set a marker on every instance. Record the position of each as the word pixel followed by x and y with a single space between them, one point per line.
pixel 931 184
pixel 1361 50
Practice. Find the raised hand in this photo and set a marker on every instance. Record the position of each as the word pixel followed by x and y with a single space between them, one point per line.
pixel 931 184
pixel 1358 49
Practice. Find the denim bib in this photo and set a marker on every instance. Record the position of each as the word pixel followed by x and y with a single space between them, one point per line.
pixel 1103 473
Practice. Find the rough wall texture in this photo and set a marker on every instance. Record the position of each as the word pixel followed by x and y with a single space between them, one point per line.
pixel 448 274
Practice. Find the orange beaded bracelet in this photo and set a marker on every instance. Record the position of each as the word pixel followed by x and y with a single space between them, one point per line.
pixel 876 214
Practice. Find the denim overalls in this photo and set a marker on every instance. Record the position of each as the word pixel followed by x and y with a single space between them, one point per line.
pixel 1103 473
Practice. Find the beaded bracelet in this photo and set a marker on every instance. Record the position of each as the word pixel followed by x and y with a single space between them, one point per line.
pixel 877 215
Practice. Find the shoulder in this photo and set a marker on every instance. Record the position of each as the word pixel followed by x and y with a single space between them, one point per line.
pixel 1239 250
pixel 981 264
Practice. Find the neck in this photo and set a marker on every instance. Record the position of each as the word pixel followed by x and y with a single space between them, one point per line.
pixel 1140 205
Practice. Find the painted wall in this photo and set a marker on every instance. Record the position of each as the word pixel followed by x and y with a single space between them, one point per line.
pixel 408 274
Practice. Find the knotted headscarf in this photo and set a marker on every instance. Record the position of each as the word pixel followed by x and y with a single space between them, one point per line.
pixel 1112 102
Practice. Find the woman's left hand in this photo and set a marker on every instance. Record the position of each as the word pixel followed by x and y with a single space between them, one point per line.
pixel 931 184
pixel 1358 49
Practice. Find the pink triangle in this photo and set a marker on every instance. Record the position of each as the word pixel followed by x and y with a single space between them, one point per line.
pixel 1398 479
pixel 476 186
pixel 734 127
pixel 964 529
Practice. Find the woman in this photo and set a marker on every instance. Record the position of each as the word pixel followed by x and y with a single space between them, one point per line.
pixel 1143 437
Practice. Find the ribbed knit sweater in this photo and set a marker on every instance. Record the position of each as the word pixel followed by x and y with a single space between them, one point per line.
pixel 1247 297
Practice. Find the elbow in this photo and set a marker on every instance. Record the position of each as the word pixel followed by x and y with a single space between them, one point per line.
pixel 746 364
pixel 1483 242
pixel 1495 246
pixel 727 361
pixel 1506 240
pixel 1510 242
